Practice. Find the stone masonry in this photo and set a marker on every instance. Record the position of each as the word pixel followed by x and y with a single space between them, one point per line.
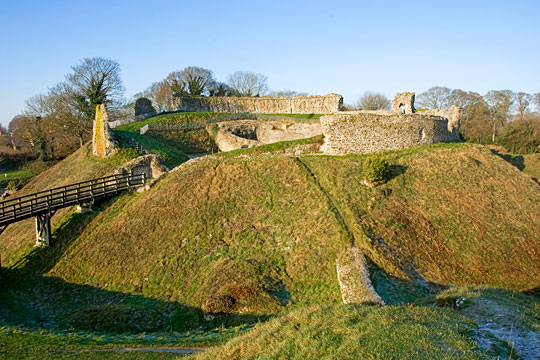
pixel 102 140
pixel 370 131
pixel 262 105
pixel 404 102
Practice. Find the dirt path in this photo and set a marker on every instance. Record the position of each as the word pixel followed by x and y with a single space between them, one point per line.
pixel 503 322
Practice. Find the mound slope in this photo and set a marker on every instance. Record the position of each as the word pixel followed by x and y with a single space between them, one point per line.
pixel 19 237
pixel 252 232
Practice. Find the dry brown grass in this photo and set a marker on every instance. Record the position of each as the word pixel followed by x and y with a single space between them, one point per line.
pixel 459 215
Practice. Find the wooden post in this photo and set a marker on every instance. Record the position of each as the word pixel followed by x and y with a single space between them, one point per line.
pixel 43 230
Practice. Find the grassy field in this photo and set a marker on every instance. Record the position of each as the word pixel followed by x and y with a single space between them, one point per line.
pixel 20 173
pixel 253 236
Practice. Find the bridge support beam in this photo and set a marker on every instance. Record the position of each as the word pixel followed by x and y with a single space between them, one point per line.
pixel 43 229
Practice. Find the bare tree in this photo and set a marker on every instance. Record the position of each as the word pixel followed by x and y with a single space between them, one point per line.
pixel 522 104
pixel 33 130
pixel 536 101
pixel 191 81
pixel 499 102
pixel 373 101
pixel 436 97
pixel 96 81
pixel 71 111
pixel 163 96
pixel 247 83
pixel 220 89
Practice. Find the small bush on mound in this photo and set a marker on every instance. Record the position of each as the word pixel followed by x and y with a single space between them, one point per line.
pixel 376 170
pixel 116 319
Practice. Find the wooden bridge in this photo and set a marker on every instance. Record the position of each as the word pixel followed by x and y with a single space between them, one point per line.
pixel 42 205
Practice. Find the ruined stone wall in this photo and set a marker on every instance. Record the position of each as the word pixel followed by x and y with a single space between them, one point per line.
pixel 263 105
pixel 365 132
pixel 237 134
pixel 102 140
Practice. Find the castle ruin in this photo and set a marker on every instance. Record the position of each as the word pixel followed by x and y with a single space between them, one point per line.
pixel 102 139
pixel 369 131
pixel 326 104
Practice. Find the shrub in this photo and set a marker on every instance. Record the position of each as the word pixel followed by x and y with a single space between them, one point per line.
pixel 376 170
pixel 15 184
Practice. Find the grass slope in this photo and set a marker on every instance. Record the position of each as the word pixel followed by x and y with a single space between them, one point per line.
pixel 489 324
pixel 229 226
pixel 453 214
pixel 356 332
pixel 19 238
pixel 254 233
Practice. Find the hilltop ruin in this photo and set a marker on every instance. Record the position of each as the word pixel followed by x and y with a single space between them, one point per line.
pixel 369 131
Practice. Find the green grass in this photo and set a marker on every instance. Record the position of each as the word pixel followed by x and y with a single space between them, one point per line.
pixel 20 173
pixel 255 233
pixel 173 146
pixel 446 211
pixel 22 342
pixel 357 332
pixel 528 163
pixel 18 238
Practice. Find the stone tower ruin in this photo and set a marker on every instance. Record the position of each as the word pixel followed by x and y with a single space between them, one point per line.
pixel 404 103
pixel 102 140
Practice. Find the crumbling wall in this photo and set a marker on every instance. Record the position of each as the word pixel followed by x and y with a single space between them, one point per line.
pixel 404 103
pixel 102 140
pixel 150 165
pixel 263 105
pixel 453 114
pixel 364 132
pixel 230 135
pixel 138 110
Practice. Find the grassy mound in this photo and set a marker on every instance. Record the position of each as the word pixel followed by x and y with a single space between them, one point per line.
pixel 19 238
pixel 357 332
pixel 256 233
pixel 453 214
pixel 445 218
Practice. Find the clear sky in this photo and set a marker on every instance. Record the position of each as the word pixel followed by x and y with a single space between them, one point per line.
pixel 318 47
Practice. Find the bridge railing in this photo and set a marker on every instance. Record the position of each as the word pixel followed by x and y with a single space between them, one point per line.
pixel 19 208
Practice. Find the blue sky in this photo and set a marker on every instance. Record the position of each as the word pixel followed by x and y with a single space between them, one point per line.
pixel 318 47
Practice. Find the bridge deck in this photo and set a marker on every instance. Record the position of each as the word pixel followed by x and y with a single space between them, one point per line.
pixel 48 201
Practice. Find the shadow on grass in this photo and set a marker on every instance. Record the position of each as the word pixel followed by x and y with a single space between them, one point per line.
pixel 395 171
pixel 51 303
pixel 516 160
pixel 28 297
pixel 399 291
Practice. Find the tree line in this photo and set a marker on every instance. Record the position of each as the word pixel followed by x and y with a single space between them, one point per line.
pixel 56 122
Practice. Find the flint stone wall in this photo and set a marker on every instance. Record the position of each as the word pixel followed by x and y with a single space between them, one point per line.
pixel 150 165
pixel 326 104
pixel 248 133
pixel 365 132
pixel 136 111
